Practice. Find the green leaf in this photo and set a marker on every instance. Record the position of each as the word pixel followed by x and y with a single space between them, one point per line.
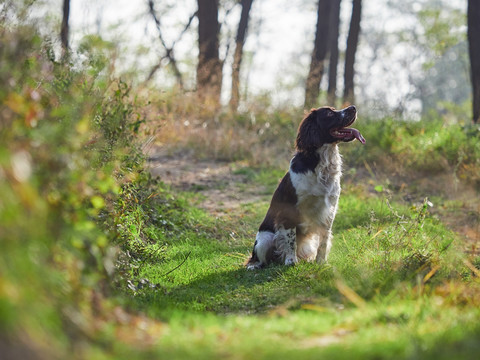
pixel 97 202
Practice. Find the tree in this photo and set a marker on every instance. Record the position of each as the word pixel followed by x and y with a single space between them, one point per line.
pixel 352 42
pixel 435 52
pixel 65 27
pixel 238 55
pixel 209 67
pixel 169 50
pixel 333 62
pixel 319 54
pixel 473 15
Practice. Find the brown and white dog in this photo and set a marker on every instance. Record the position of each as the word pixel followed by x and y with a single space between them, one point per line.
pixel 298 224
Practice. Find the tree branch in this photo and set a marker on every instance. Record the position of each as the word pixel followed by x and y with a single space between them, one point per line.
pixel 169 53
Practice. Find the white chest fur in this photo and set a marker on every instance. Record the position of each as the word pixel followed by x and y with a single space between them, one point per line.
pixel 318 190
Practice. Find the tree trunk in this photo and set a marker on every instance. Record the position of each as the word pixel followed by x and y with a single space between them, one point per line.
pixel 238 55
pixel 65 27
pixel 209 68
pixel 319 54
pixel 474 50
pixel 333 62
pixel 352 42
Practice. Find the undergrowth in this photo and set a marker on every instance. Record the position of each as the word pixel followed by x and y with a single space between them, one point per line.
pixel 257 135
pixel 262 136
pixel 427 147
pixel 69 159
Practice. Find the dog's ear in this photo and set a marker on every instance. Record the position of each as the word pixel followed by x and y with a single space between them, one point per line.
pixel 308 136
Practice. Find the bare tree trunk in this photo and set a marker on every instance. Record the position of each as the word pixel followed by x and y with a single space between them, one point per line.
pixel 238 55
pixel 209 68
pixel 352 42
pixel 319 54
pixel 333 62
pixel 473 15
pixel 65 27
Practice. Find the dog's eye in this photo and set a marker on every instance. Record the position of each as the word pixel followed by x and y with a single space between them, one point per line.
pixel 330 114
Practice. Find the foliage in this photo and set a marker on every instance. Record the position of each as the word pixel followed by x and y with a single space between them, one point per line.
pixel 425 146
pixel 68 152
pixel 443 27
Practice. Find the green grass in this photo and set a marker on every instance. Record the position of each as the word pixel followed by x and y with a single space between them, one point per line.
pixel 265 178
pixel 394 287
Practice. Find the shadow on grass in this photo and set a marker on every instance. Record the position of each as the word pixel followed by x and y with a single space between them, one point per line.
pixel 230 291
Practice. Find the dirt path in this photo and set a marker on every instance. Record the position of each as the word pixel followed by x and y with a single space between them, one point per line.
pixel 222 188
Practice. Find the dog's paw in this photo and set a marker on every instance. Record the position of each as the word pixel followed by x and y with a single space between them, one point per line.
pixel 289 261
pixel 255 266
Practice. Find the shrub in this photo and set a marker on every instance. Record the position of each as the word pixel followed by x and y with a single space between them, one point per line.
pixel 68 150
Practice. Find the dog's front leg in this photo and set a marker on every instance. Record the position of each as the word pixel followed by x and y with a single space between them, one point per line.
pixel 286 245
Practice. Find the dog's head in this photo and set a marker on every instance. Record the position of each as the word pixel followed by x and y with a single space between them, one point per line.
pixel 326 125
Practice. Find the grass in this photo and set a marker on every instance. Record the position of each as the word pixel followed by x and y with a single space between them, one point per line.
pixel 395 287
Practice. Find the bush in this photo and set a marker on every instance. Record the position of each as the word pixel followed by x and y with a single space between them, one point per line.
pixel 68 150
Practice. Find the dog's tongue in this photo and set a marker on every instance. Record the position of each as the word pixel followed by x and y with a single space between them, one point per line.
pixel 357 135
pixel 349 134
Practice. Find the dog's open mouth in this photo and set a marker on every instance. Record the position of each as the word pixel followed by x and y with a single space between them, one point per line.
pixel 347 134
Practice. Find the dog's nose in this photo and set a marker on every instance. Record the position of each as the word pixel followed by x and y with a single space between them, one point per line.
pixel 352 108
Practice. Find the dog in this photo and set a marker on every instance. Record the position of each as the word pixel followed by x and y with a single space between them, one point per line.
pixel 298 223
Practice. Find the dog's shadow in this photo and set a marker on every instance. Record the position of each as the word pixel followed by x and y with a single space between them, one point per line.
pixel 227 291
